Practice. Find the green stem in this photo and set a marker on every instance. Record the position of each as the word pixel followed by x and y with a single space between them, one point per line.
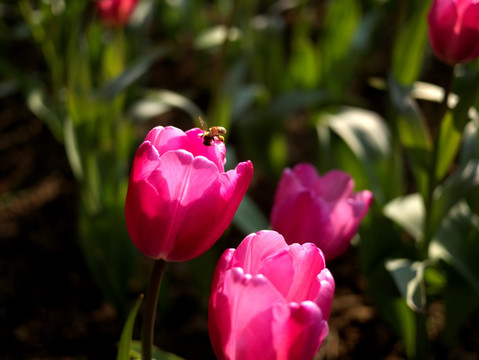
pixel 149 312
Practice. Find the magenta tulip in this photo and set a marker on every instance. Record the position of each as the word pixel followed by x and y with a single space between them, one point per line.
pixel 269 300
pixel 180 200
pixel 318 209
pixel 116 12
pixel 454 30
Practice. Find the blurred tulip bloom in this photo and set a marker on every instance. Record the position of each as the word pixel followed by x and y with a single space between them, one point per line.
pixel 180 200
pixel 318 209
pixel 269 300
pixel 116 12
pixel 454 30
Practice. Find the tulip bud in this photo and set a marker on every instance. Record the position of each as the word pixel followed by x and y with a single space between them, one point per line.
pixel 180 200
pixel 269 300
pixel 318 209
pixel 454 30
pixel 116 12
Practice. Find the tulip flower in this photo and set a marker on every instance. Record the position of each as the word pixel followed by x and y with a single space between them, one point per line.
pixel 454 30
pixel 179 199
pixel 318 209
pixel 269 300
pixel 116 12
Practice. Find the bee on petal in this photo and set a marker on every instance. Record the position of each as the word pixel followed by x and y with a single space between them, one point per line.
pixel 212 133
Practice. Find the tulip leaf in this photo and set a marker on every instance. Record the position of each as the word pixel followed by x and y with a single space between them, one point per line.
pixel 454 188
pixel 449 142
pixel 468 94
pixel 457 243
pixel 412 131
pixel 158 354
pixel 127 333
pixel 408 211
pixel 408 52
pixel 216 36
pixel 367 136
pixel 72 150
pixel 157 102
pixel 249 218
pixel 132 73
pixel 469 146
pixel 38 104
pixel 408 277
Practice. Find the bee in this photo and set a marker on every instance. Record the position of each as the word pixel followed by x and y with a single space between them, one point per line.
pixel 212 133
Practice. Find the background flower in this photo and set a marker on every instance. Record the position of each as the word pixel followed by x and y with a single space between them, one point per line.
pixel 454 30
pixel 116 12
pixel 319 209
pixel 270 300
pixel 180 200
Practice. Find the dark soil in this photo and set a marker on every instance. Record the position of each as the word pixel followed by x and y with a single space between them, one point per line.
pixel 50 308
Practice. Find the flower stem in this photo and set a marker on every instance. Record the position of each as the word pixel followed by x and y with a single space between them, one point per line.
pixel 149 312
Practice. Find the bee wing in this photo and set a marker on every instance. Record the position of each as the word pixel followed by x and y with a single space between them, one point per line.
pixel 203 123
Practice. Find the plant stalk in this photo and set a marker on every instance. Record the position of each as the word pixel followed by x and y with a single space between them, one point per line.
pixel 149 310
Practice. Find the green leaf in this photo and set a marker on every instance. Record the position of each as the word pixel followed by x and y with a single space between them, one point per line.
pixel 303 65
pixel 367 136
pixel 249 218
pixel 158 354
pixel 38 104
pixel 132 73
pixel 335 47
pixel 468 94
pixel 408 52
pixel 457 243
pixel 469 146
pixel 412 131
pixel 127 333
pixel 408 212
pixel 72 150
pixel 454 188
pixel 408 277
pixel 449 142
pixel 157 102
pixel 216 36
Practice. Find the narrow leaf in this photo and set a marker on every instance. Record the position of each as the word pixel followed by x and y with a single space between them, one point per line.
pixel 127 333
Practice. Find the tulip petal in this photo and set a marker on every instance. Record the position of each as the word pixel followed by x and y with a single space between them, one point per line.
pixel 256 247
pixel 334 186
pixel 252 319
pixel 210 204
pixel 288 184
pixel 308 261
pixel 299 330
pixel 301 218
pixel 306 174
pixel 324 298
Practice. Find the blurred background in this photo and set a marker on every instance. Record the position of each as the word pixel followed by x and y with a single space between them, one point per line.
pixel 348 84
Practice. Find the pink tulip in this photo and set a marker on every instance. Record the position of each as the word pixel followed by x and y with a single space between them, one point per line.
pixel 180 200
pixel 116 12
pixel 269 300
pixel 454 30
pixel 318 209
